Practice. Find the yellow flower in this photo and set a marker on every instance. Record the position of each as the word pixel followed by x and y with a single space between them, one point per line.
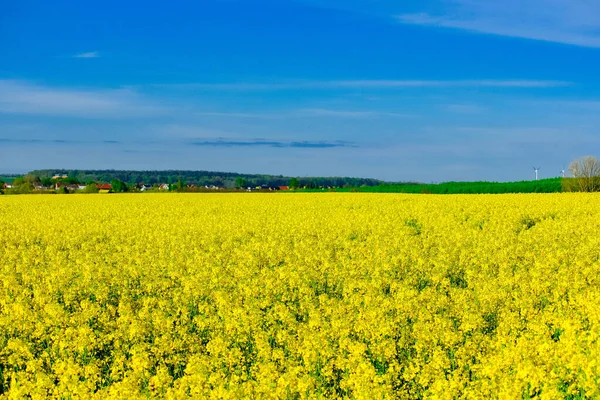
pixel 300 296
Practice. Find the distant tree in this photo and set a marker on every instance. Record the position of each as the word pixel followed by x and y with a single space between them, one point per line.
pixel 71 180
pixel 91 188
pixel 32 179
pixel 586 173
pixel 180 184
pixel 118 186
pixel 21 186
pixel 18 181
pixel 62 190
pixel 47 181
pixel 240 182
pixel 294 184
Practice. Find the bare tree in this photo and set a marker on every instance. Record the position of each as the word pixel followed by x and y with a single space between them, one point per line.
pixel 586 172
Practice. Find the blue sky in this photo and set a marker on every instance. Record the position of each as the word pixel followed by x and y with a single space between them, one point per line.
pixel 429 90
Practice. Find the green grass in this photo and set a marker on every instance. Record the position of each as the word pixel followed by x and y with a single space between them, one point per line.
pixel 552 185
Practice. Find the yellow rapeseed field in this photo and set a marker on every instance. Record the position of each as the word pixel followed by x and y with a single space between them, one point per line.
pixel 294 296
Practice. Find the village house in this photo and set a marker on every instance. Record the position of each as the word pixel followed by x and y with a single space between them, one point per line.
pixel 105 187
pixel 163 186
pixel 60 177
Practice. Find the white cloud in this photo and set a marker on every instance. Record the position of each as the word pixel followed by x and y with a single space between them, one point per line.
pixel 21 97
pixel 234 115
pixel 300 113
pixel 515 135
pixel 371 84
pixel 449 83
pixel 89 54
pixel 575 22
pixel 320 112
pixel 464 108
pixel 18 97
pixel 311 112
pixel 585 105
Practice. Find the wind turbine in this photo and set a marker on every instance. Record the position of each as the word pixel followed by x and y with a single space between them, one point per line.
pixel 536 172
pixel 562 171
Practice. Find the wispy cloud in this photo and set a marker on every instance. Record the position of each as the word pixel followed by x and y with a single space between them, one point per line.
pixel 57 141
pixel 463 108
pixel 368 84
pixel 18 97
pixel 321 112
pixel 89 54
pixel 12 140
pixel 322 145
pixel 585 105
pixel 575 22
pixel 305 112
pixel 219 142
pixel 272 143
pixel 505 137
pixel 235 115
pixel 22 97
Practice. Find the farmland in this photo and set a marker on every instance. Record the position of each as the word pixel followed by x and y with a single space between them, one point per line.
pixel 300 296
pixel 552 185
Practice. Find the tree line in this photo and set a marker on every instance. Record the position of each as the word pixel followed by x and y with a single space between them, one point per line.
pixel 584 171
pixel 202 178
